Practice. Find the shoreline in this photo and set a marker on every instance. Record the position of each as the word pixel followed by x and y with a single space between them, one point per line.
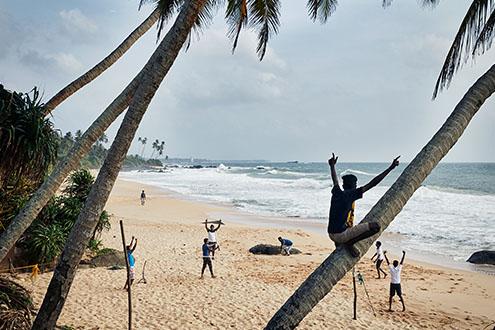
pixel 248 289
pixel 391 240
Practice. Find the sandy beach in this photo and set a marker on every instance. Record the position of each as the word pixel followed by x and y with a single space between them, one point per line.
pixel 249 288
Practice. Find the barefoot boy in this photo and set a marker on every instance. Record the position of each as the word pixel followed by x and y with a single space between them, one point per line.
pixel 395 270
pixel 341 217
pixel 379 259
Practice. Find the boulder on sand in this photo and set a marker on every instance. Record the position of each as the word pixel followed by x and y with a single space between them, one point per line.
pixel 482 257
pixel 108 258
pixel 269 249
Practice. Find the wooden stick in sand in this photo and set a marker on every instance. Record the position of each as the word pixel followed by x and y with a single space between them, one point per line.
pixel 129 297
pixel 355 294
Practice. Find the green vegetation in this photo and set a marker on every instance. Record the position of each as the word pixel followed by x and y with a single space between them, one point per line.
pixel 28 145
pixel 95 157
pixel 16 305
pixel 46 237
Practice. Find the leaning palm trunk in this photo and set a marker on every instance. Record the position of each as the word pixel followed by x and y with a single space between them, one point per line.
pixel 153 74
pixel 70 163
pixel 321 281
pixel 104 64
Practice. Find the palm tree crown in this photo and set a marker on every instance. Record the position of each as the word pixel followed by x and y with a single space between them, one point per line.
pixel 262 16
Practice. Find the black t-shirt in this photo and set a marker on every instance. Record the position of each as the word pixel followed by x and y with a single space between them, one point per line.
pixel 341 214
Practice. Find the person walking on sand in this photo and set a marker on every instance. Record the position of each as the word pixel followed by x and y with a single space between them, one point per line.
pixel 341 216
pixel 212 237
pixel 285 245
pixel 379 259
pixel 143 197
pixel 206 258
pixel 395 270
pixel 132 274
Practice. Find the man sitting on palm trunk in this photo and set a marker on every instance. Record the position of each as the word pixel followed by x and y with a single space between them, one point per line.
pixel 341 217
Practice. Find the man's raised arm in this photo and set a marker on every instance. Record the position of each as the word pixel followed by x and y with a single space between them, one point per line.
pixel 385 255
pixel 332 161
pixel 403 256
pixel 377 179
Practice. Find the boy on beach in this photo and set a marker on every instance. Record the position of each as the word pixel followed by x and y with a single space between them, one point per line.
pixel 130 249
pixel 143 197
pixel 341 215
pixel 212 237
pixel 286 245
pixel 395 270
pixel 206 258
pixel 379 259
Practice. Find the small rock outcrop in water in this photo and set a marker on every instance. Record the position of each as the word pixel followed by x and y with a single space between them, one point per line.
pixel 269 249
pixel 482 257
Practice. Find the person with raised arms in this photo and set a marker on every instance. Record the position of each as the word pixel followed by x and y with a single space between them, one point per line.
pixel 341 229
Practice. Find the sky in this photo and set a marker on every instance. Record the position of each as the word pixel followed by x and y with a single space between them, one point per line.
pixel 359 85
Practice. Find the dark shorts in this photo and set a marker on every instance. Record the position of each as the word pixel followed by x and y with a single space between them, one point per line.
pixel 378 263
pixel 395 288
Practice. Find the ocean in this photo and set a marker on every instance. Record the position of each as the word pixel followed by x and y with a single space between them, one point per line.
pixel 451 215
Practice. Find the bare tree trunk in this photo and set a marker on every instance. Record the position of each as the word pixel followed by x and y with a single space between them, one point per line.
pixel 153 74
pixel 103 65
pixel 30 211
pixel 322 280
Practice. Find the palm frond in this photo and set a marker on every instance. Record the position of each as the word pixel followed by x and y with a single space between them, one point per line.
pixel 424 3
pixel 204 18
pixel 485 38
pixel 264 18
pixel 167 10
pixel 321 9
pixel 464 41
pixel 237 17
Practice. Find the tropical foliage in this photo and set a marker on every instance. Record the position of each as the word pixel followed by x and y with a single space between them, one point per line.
pixel 16 306
pixel 47 235
pixel 28 149
pixel 474 37
pixel 95 156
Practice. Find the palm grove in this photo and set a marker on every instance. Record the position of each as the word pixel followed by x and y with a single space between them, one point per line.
pixel 473 38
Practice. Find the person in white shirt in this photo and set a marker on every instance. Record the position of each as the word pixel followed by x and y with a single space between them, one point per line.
pixel 212 237
pixel 379 259
pixel 395 270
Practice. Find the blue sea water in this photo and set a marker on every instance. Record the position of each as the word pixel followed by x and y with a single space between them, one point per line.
pixel 452 214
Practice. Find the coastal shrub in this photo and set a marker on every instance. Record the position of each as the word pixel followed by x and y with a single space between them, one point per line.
pixel 29 147
pixel 16 305
pixel 45 238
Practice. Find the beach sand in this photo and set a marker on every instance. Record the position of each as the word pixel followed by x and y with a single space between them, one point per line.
pixel 249 289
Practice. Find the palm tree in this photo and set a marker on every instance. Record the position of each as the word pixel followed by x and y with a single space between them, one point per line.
pixel 63 168
pixel 194 13
pixel 143 142
pixel 474 37
pixel 99 68
pixel 264 19
pixel 333 269
pixel 160 148
pixel 153 73
pixel 155 145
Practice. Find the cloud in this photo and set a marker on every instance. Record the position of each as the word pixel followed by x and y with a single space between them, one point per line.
pixel 58 62
pixel 76 22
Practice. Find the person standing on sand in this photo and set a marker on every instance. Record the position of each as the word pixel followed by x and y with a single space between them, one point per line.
pixel 206 258
pixel 132 262
pixel 143 198
pixel 212 237
pixel 341 216
pixel 395 270
pixel 286 245
pixel 379 259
